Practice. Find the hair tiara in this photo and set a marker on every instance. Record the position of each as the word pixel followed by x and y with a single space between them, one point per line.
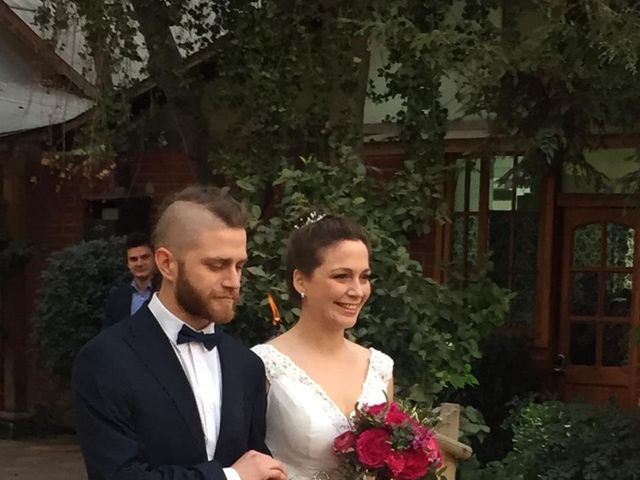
pixel 313 217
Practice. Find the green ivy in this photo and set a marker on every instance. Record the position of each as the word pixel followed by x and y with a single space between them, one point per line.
pixel 71 298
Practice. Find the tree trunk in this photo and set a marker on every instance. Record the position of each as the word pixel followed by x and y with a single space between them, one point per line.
pixel 184 97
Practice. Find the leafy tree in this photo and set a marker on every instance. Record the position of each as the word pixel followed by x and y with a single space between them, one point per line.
pixel 553 77
pixel 268 79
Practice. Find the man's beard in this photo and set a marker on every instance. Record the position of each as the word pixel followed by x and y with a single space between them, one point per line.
pixel 194 303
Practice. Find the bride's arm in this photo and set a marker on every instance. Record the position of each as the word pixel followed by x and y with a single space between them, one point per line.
pixel 390 389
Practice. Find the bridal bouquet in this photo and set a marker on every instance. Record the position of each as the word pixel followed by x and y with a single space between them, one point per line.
pixel 387 442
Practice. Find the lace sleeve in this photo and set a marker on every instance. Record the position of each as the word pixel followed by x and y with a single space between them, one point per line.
pixel 272 366
pixel 382 366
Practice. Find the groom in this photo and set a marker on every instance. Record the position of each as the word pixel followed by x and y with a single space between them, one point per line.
pixel 165 394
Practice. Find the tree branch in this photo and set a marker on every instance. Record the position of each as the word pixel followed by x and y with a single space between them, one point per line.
pixel 184 98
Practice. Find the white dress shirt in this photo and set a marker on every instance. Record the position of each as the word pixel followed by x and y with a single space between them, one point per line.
pixel 202 368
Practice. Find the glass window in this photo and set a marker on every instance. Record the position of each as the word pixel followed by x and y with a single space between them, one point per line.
pixel 511 228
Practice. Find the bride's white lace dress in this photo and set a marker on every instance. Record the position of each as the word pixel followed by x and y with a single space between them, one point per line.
pixel 302 420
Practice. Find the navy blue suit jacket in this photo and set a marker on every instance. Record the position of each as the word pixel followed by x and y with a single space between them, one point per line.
pixel 136 413
pixel 118 304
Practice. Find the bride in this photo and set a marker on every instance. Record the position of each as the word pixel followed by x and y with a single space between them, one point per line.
pixel 315 374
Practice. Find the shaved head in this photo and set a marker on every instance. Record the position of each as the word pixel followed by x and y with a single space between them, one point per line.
pixel 181 224
pixel 186 214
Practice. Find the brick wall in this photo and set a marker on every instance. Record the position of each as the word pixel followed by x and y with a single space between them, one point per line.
pixel 56 212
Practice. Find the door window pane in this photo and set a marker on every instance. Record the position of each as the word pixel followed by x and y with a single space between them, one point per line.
pixel 615 345
pixel 620 245
pixel 617 296
pixel 583 344
pixel 586 245
pixel 584 298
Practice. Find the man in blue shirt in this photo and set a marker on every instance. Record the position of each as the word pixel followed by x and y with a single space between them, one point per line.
pixel 127 299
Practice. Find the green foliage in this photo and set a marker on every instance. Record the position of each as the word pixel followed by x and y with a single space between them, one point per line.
pixel 431 330
pixel 504 375
pixel 70 301
pixel 559 72
pixel 574 441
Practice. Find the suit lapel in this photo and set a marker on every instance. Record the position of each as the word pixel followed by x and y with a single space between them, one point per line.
pixel 154 349
pixel 232 398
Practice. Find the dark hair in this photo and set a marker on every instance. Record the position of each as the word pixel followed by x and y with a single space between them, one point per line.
pixel 137 239
pixel 217 201
pixel 305 244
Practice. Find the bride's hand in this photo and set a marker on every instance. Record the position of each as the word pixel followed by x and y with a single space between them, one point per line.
pixel 254 465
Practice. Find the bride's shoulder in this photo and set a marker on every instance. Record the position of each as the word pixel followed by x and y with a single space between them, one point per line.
pixel 381 364
pixel 379 361
pixel 273 363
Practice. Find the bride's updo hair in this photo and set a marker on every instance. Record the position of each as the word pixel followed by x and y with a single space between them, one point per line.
pixel 307 241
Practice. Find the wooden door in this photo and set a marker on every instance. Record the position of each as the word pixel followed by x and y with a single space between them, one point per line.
pixel 599 304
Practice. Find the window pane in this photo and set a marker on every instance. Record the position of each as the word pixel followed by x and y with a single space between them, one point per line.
pixel 499 237
pixel 584 293
pixel 527 200
pixel 525 251
pixel 620 245
pixel 523 306
pixel 617 296
pixel 501 187
pixel 615 345
pixel 472 253
pixel 458 238
pixel 586 245
pixel 474 190
pixel 583 344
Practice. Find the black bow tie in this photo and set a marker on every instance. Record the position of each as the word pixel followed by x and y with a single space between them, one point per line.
pixel 209 340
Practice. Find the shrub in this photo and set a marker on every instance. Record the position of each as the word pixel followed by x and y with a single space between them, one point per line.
pixel 70 301
pixel 504 374
pixel 574 441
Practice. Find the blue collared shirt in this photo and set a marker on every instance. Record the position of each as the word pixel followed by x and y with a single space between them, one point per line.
pixel 139 297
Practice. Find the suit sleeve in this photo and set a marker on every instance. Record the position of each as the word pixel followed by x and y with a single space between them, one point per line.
pixel 105 427
pixel 257 430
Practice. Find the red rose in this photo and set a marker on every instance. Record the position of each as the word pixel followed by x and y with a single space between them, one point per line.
pixel 395 462
pixel 416 464
pixel 375 410
pixel 395 415
pixel 373 447
pixel 345 442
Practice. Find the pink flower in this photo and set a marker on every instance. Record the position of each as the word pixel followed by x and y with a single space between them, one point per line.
pixel 435 455
pixel 416 465
pixel 395 415
pixel 395 462
pixel 373 447
pixel 375 410
pixel 345 442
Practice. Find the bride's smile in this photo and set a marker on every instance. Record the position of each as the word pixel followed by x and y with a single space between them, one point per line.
pixel 339 287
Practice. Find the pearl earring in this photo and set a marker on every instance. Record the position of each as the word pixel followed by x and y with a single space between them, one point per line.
pixel 302 295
